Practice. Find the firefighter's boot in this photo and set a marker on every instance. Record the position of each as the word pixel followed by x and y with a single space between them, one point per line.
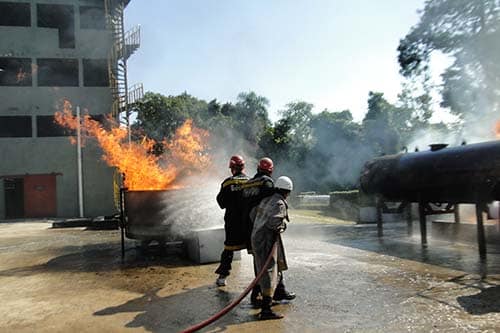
pixel 255 297
pixel 266 313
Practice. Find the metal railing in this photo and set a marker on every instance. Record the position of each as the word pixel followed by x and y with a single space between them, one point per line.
pixel 124 45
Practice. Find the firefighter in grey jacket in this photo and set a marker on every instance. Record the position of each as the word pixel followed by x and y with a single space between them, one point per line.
pixel 271 216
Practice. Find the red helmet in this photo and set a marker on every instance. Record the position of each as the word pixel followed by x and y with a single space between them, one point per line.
pixel 265 164
pixel 236 161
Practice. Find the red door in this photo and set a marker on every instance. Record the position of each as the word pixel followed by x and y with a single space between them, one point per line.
pixel 40 195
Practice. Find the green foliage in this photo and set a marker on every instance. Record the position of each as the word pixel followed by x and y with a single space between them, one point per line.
pixel 218 118
pixel 290 137
pixel 321 152
pixel 468 31
pixel 351 196
pixel 381 124
pixel 251 116
pixel 242 124
pixel 337 153
pixel 159 116
pixel 344 204
pixel 366 200
pixel 298 116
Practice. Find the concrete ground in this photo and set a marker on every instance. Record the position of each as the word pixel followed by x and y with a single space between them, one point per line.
pixel 346 278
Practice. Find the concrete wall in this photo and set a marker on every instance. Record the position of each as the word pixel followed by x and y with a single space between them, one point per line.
pixel 58 155
pixel 37 41
pixel 45 155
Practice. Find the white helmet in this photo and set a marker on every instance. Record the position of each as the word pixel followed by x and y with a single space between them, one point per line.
pixel 284 183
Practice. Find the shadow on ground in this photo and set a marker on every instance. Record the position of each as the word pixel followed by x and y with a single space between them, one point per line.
pixel 485 301
pixel 175 312
pixel 104 258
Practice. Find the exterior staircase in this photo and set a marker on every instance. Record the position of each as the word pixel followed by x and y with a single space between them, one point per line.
pixel 124 45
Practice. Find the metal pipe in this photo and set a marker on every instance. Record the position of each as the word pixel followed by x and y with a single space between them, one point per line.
pixel 409 219
pixel 481 240
pixel 79 162
pixel 122 223
pixel 423 224
pixel 380 230
pixel 456 213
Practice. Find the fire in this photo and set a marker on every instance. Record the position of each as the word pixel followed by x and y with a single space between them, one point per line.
pixel 21 75
pixel 144 170
pixel 497 129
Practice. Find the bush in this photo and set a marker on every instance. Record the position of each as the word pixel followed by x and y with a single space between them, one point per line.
pixel 351 196
pixel 366 200
pixel 345 204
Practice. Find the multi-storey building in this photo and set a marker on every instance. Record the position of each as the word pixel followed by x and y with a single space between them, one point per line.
pixel 51 51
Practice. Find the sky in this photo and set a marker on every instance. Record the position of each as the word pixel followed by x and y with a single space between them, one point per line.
pixel 330 53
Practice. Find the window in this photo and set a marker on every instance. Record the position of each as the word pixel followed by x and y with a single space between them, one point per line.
pixel 47 127
pixel 57 72
pixel 60 17
pixel 92 18
pixel 15 72
pixel 103 120
pixel 15 126
pixel 95 73
pixel 15 14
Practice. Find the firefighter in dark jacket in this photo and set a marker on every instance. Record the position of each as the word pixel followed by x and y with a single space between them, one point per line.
pixel 229 198
pixel 256 189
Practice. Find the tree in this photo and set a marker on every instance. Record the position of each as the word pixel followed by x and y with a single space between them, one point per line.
pixel 468 31
pixel 158 116
pixel 291 135
pixel 251 116
pixel 299 115
pixel 219 119
pixel 289 139
pixel 337 153
pixel 225 124
pixel 276 141
pixel 241 124
pixel 380 125
pixel 413 109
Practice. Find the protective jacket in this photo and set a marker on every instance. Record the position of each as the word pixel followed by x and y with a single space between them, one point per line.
pixel 230 199
pixel 270 220
pixel 253 191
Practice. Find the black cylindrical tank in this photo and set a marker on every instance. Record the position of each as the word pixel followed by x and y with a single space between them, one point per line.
pixel 463 174
pixel 145 215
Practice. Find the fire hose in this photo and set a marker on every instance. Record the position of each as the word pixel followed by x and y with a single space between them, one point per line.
pixel 229 307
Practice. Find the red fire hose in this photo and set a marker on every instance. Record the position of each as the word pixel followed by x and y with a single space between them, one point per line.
pixel 236 301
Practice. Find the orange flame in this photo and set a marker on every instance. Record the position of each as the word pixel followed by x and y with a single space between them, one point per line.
pixel 21 75
pixel 497 129
pixel 186 152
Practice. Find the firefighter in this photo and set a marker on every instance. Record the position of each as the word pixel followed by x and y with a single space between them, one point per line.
pixel 271 216
pixel 257 188
pixel 229 198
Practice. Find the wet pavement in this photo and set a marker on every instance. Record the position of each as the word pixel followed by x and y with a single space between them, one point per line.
pixel 347 280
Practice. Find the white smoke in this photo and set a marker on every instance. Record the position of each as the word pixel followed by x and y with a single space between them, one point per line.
pixel 193 208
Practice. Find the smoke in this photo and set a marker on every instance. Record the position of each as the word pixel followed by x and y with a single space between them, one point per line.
pixel 470 88
pixel 334 161
pixel 192 208
pixel 473 129
pixel 195 207
pixel 424 137
pixel 227 143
